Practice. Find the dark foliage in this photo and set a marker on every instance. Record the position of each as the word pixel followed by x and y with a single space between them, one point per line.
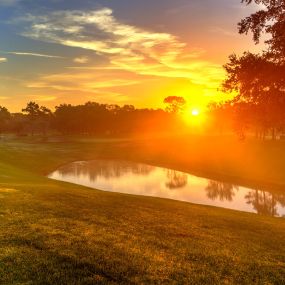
pixel 88 119
pixel 259 79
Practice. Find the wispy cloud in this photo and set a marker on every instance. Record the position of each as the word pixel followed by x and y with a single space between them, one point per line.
pixel 223 31
pixel 127 48
pixel 43 98
pixel 101 32
pixel 33 54
pixel 81 81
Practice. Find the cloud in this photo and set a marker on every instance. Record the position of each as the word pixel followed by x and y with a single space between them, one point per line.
pixel 82 81
pixel 101 32
pixel 126 47
pixel 43 98
pixel 81 59
pixel 3 59
pixel 222 31
pixel 33 54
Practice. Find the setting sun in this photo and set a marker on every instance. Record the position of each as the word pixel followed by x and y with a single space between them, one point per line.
pixel 194 116
pixel 195 112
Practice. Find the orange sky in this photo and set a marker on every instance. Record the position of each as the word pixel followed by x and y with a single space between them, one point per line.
pixel 126 53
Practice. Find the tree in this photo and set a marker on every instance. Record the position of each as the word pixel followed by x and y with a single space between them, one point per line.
pixel 32 110
pixel 5 118
pixel 102 119
pixel 260 98
pixel 259 79
pixel 19 123
pixel 174 104
pixel 249 75
pixel 271 20
pixel 39 117
pixel 220 116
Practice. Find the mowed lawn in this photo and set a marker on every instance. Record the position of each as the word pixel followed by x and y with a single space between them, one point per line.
pixel 58 233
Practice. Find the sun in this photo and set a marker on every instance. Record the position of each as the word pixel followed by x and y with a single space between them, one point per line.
pixel 194 116
pixel 195 112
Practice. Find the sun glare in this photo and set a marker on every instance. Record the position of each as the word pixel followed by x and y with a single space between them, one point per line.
pixel 194 116
pixel 195 112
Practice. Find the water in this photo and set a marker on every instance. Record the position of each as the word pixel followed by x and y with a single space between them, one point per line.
pixel 142 179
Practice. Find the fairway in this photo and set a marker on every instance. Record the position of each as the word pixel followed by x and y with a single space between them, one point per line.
pixel 59 233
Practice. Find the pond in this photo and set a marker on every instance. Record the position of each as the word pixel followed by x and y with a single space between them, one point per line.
pixel 147 180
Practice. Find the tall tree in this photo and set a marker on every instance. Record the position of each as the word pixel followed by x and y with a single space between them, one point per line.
pixel 39 117
pixel 175 104
pixel 32 110
pixel 259 79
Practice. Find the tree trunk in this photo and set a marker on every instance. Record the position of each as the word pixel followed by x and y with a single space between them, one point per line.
pixel 273 134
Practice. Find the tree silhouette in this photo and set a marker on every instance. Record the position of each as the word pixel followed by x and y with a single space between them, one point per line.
pixel 271 20
pixel 32 110
pixel 39 117
pixel 5 118
pixel 94 118
pixel 174 104
pixel 91 118
pixel 259 79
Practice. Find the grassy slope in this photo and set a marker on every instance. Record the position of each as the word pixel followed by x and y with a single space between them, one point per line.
pixel 58 233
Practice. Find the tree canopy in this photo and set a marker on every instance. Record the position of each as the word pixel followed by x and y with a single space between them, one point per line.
pixel 175 104
pixel 269 20
pixel 258 80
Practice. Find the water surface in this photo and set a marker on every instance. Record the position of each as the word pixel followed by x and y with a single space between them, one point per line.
pixel 142 179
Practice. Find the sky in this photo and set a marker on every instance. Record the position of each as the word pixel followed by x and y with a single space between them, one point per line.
pixel 117 51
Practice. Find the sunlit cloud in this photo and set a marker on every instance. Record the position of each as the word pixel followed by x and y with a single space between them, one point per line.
pixel 127 48
pixel 81 59
pixel 3 59
pixel 115 97
pixel 101 32
pixel 80 81
pixel 43 98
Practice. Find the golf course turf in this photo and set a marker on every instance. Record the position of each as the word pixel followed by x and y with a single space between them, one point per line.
pixel 59 233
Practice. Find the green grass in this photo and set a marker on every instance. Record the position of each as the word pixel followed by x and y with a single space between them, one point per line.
pixel 58 233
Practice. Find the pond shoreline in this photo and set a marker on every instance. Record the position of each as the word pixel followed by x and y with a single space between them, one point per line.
pixel 113 175
pixel 231 179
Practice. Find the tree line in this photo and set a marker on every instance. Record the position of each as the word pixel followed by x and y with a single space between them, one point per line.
pixel 90 118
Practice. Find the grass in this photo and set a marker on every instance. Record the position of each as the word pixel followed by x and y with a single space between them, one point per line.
pixel 58 233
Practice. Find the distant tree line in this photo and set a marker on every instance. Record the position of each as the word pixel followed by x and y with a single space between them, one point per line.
pixel 90 118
